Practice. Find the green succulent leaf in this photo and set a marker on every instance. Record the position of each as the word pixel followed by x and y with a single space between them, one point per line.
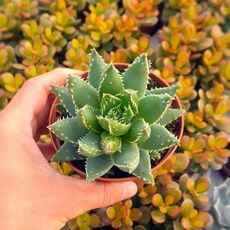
pixel 67 152
pixel 98 166
pixel 169 116
pixel 159 139
pixel 61 109
pixel 143 169
pixel 139 131
pixel 89 145
pixel 110 144
pixel 171 90
pixel 65 99
pixel 130 98
pixel 88 117
pixel 128 159
pixel 97 67
pixel 111 82
pixel 155 155
pixel 108 102
pixel 127 114
pixel 152 108
pixel 136 76
pixel 69 129
pixel 112 126
pixel 82 92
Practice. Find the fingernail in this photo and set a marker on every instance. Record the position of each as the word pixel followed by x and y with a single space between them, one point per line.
pixel 130 189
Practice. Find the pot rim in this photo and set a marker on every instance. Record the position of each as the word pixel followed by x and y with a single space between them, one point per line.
pixel 57 145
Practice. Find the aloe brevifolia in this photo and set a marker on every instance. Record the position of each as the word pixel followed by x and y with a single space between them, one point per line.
pixel 111 119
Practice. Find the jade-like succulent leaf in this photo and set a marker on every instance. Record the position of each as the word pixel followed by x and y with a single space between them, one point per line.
pixel 136 76
pixel 159 139
pixel 108 102
pixel 89 145
pixel 111 82
pixel 130 98
pixel 67 152
pixel 114 127
pixel 65 99
pixel 128 159
pixel 143 170
pixel 139 131
pixel 171 90
pixel 82 92
pixel 152 108
pixel 69 129
pixel 97 66
pixel 88 117
pixel 170 115
pixel 98 166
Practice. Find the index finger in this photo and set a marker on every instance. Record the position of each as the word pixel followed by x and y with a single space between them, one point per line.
pixel 31 99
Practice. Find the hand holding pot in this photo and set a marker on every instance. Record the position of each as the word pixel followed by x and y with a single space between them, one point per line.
pixel 32 194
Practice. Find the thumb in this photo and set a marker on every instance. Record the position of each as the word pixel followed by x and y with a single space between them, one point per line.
pixel 77 196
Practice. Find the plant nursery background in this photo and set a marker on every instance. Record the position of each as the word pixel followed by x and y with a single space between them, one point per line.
pixel 187 42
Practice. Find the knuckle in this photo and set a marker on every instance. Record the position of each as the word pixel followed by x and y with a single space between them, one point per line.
pixel 30 82
pixel 107 196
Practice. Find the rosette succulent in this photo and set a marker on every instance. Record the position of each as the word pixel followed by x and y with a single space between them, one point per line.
pixel 112 119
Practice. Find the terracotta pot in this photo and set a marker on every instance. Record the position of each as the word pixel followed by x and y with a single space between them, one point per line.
pixel 54 115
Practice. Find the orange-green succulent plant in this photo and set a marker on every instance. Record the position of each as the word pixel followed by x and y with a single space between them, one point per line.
pixel 86 221
pixel 195 190
pixel 122 214
pixel 191 218
pixel 206 151
pixel 6 26
pixel 7 57
pixel 146 11
pixel 77 53
pixel 10 82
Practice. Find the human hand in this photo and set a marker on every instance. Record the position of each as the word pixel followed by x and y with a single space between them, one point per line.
pixel 32 194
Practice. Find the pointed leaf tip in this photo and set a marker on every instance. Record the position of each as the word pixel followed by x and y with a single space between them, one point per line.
pixel 96 67
pixel 136 76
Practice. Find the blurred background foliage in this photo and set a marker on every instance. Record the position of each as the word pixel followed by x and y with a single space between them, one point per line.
pixel 186 41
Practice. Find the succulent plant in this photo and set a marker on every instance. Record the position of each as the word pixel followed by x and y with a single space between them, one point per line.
pixel 165 206
pixel 11 83
pixel 7 57
pixel 146 193
pixel 206 151
pixel 77 54
pixel 62 168
pixel 121 55
pixel 139 46
pixel 187 91
pixel 122 214
pixel 6 26
pixel 145 11
pixel 115 123
pixel 99 22
pixel 125 28
pixel 221 204
pixel 214 105
pixel 195 190
pixel 191 218
pixel 21 9
pixel 35 51
pixel 86 221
